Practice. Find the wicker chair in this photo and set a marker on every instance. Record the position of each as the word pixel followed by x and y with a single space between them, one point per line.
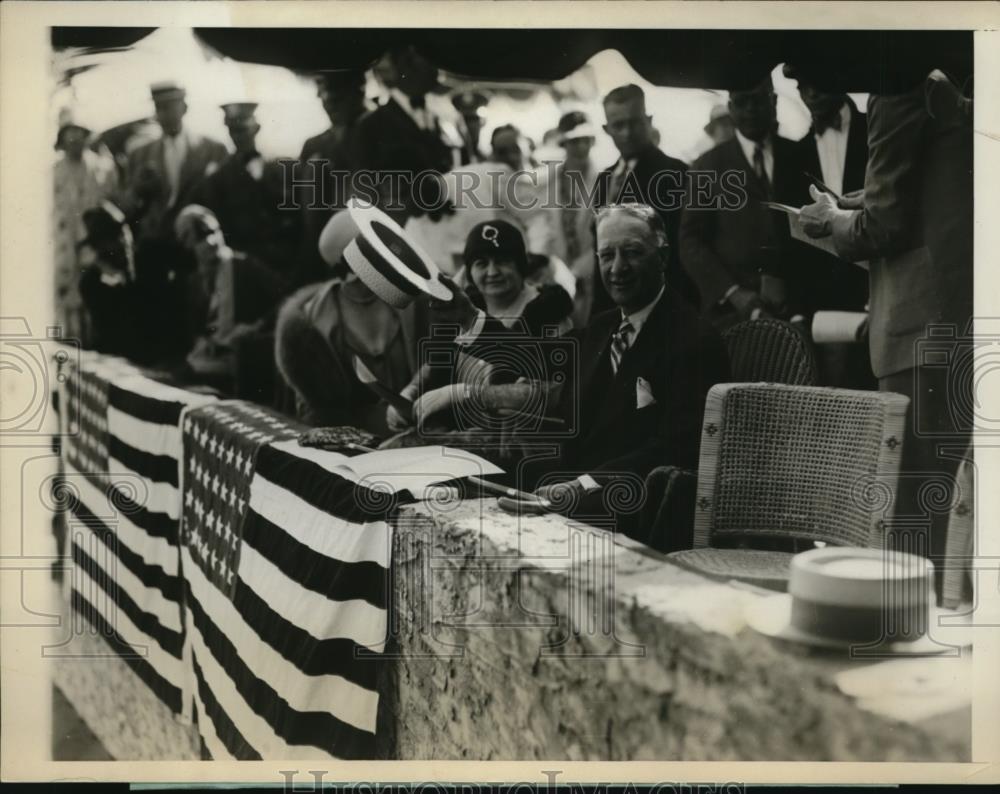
pixel 782 467
pixel 770 351
pixel 958 577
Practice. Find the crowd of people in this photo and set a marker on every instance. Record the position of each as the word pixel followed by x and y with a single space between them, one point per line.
pixel 209 264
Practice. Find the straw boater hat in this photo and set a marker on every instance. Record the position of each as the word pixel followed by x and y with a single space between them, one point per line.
pixel 381 255
pixel 870 600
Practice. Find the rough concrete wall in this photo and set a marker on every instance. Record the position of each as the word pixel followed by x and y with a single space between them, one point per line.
pixel 680 678
pixel 118 707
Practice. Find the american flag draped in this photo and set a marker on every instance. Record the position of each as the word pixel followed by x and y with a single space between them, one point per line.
pixel 120 484
pixel 285 560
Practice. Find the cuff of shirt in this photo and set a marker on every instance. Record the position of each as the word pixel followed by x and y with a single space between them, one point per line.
pixel 728 293
pixel 473 333
pixel 589 483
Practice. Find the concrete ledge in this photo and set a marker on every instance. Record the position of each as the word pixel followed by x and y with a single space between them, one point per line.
pixel 510 654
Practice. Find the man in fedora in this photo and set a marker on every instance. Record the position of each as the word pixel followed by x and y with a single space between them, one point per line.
pixel 246 193
pixel 162 174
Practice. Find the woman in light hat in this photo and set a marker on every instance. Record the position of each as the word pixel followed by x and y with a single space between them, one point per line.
pixel 323 327
pixel 82 179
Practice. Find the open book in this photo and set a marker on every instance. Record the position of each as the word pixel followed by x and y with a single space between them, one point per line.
pixel 415 468
pixel 798 233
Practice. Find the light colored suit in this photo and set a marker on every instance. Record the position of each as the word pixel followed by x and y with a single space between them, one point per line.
pixel 148 197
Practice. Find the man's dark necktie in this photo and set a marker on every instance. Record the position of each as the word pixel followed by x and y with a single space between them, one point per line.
pixel 760 169
pixel 619 344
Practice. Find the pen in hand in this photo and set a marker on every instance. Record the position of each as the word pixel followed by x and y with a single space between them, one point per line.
pixel 825 188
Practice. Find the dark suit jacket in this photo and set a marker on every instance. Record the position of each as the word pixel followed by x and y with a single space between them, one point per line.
pixel 719 246
pixel 152 218
pixel 666 194
pixel 248 212
pixel 390 140
pixel 679 356
pixel 916 226
pixel 342 151
pixel 825 281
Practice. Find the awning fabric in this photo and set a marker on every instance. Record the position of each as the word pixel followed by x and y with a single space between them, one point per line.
pixel 846 60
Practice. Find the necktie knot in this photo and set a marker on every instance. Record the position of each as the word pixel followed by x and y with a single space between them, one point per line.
pixel 418 102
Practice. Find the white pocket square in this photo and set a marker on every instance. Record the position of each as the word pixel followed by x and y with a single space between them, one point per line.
pixel 643 393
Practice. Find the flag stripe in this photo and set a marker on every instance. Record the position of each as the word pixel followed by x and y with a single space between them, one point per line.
pixel 165 612
pixel 312 728
pixel 150 522
pixel 159 468
pixel 329 491
pixel 151 576
pixel 145 622
pixel 145 406
pixel 226 742
pixel 337 580
pixel 312 527
pixel 156 439
pixel 303 691
pixel 166 691
pixel 358 621
pixel 255 730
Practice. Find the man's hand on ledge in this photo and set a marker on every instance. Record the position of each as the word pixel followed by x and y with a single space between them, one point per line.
pixel 563 495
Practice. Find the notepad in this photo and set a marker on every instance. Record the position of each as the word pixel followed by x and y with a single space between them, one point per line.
pixel 798 233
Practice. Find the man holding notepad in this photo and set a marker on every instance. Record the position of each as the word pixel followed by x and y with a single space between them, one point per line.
pixel 914 222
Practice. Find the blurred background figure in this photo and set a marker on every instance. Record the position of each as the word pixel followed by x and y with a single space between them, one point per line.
pixel 720 125
pixel 573 224
pixel 235 295
pixel 108 284
pixel 246 193
pixel 328 161
pixel 82 179
pixel 469 105
pixel 163 174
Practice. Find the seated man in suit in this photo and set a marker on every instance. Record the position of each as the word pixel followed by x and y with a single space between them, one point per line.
pixel 233 296
pixel 735 248
pixel 645 367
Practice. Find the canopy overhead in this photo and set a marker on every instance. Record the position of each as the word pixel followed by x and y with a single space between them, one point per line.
pixel 847 60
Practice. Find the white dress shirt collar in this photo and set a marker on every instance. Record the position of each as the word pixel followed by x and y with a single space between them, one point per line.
pixel 638 319
pixel 831 148
pixel 749 147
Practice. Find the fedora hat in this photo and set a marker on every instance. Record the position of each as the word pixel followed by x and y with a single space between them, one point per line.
pixel 387 261
pixel 842 598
